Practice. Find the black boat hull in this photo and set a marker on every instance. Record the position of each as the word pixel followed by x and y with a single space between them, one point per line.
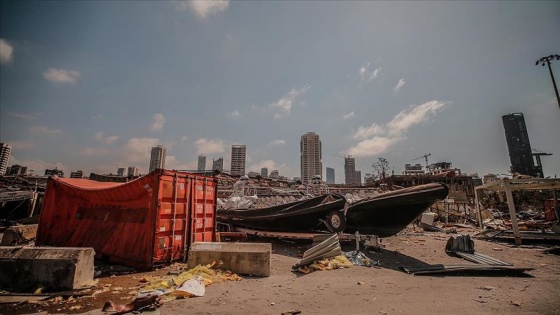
pixel 309 215
pixel 387 214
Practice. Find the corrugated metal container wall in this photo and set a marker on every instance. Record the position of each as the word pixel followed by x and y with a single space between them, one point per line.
pixel 144 222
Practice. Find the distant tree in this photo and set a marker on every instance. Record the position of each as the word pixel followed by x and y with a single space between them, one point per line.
pixel 381 167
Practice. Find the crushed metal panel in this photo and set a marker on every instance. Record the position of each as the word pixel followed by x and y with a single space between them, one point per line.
pixel 436 269
pixel 326 249
pixel 463 246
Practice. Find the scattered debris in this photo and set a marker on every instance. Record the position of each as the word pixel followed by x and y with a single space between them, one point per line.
pixel 359 259
pixel 516 303
pixel 463 246
pixel 193 287
pixel 327 249
pixel 487 288
pixel 134 306
pixel 326 264
pixel 435 269
pixel 553 250
pixel 178 287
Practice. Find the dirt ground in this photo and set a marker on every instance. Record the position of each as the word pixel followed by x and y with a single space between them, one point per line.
pixel 356 290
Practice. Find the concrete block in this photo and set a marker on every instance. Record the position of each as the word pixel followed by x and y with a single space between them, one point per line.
pixel 428 218
pixel 241 258
pixel 53 268
pixel 19 234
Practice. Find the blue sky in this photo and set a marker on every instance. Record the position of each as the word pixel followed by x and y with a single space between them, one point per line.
pixel 92 85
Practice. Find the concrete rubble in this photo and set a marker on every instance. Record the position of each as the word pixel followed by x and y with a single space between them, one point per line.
pixel 56 269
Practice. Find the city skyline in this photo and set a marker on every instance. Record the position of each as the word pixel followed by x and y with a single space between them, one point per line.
pixel 89 85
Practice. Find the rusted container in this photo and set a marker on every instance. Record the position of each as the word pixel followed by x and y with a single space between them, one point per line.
pixel 549 213
pixel 149 221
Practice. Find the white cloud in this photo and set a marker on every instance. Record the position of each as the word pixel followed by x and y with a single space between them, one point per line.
pixel 158 120
pixel 6 52
pixel 138 149
pixel 399 85
pixel 61 76
pixel 373 146
pixel 414 115
pixel 284 105
pixel 379 138
pixel 204 8
pixel 349 115
pixel 371 131
pixel 207 147
pixel 235 114
pixel 100 136
pixel 367 74
pixel 40 130
pixel 277 143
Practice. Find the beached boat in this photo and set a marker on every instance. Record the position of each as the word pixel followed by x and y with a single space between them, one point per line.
pixel 389 213
pixel 321 213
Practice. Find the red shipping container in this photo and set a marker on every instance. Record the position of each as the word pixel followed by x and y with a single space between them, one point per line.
pixel 148 221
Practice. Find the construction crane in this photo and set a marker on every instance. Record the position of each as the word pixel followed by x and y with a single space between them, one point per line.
pixel 537 154
pixel 343 155
pixel 425 156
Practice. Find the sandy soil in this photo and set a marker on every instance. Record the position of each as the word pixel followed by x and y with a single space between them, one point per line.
pixel 358 290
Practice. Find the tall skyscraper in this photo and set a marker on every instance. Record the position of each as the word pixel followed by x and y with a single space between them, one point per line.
pixel 330 175
pixel 157 159
pixel 350 170
pixel 120 171
pixel 132 171
pixel 201 163
pixel 77 174
pixel 238 154
pixel 311 157
pixel 264 172
pixel 218 165
pixel 5 152
pixel 519 147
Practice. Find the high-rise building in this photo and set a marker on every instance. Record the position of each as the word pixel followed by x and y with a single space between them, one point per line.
pixel 350 170
pixel 77 174
pixel 358 177
pixel 311 157
pixel 132 171
pixel 274 174
pixel 157 159
pixel 218 165
pixel 201 163
pixel 238 154
pixel 54 172
pixel 264 172
pixel 120 171
pixel 16 170
pixel 330 175
pixel 5 152
pixel 519 147
pixel 413 169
